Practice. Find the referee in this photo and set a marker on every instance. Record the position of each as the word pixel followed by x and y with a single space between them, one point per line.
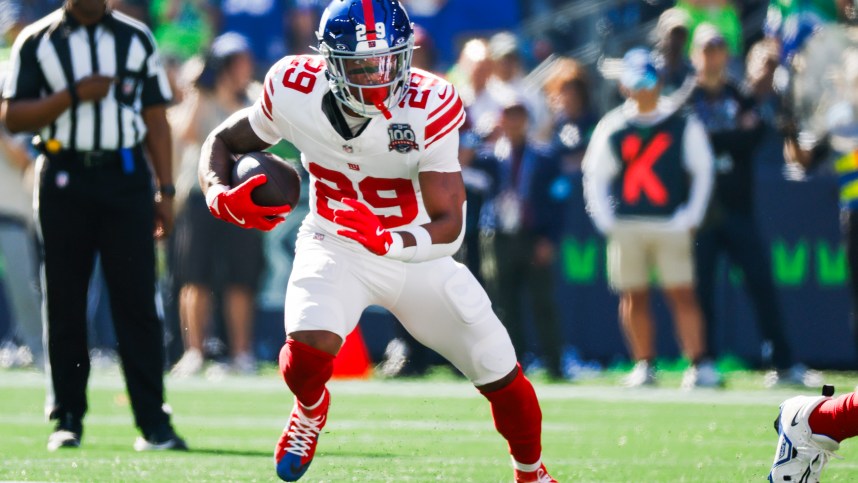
pixel 89 81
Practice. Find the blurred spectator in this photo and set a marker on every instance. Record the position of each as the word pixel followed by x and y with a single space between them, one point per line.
pixel 471 76
pixel 208 254
pixel 567 90
pixel 18 248
pixel 508 80
pixel 761 63
pixel 303 21
pixel 674 66
pixel 449 22
pixel 647 179
pixel 723 14
pixel 760 66
pixel 791 22
pixel 425 55
pixel 17 14
pixel 522 226
pixel 264 23
pixel 136 9
pixel 730 227
pixel 834 146
pixel 480 177
pixel 183 28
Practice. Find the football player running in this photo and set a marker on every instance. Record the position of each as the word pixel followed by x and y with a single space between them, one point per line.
pixel 380 142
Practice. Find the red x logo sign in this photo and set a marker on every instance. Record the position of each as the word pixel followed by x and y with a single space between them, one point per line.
pixel 639 175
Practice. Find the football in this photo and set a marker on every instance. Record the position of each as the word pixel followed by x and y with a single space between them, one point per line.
pixel 284 183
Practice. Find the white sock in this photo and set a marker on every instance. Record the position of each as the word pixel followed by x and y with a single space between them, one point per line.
pixel 527 468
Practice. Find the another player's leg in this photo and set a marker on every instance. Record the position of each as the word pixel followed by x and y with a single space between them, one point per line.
pixel 809 430
pixel 306 363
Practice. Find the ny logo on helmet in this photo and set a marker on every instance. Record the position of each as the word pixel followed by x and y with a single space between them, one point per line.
pixel 402 138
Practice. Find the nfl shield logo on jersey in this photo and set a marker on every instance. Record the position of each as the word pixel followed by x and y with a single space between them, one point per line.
pixel 402 138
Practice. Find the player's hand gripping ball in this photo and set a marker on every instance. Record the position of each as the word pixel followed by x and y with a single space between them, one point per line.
pixel 264 190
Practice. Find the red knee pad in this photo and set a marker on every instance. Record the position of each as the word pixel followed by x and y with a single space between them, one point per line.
pixel 305 370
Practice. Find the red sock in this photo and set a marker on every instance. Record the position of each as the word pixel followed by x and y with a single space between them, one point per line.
pixel 518 418
pixel 836 418
pixel 305 370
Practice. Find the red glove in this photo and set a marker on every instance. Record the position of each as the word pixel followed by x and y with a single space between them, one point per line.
pixel 235 206
pixel 365 227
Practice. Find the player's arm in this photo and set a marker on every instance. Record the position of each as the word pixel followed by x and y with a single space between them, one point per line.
pixel 444 199
pixel 235 136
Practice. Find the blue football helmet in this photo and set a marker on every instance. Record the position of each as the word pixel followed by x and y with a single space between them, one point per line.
pixel 367 45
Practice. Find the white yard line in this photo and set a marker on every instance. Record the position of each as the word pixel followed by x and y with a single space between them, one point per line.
pixel 432 389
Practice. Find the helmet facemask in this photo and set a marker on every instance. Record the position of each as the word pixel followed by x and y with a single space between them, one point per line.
pixel 372 82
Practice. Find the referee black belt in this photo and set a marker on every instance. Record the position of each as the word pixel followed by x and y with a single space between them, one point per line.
pixel 93 159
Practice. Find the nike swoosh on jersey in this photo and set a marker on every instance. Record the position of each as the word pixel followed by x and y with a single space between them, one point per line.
pixel 238 220
pixel 443 94
pixel 379 231
pixel 794 422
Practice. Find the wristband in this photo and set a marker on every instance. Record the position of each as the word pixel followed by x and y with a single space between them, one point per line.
pixel 422 242
pixel 167 191
pixel 211 197
pixel 396 246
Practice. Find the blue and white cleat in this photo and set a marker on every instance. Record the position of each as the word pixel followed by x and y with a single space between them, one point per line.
pixel 800 455
pixel 297 444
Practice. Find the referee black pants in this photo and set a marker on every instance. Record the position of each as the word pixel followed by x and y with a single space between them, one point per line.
pixel 107 210
pixel 509 272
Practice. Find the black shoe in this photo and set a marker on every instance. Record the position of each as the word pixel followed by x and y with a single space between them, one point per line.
pixel 67 433
pixel 160 439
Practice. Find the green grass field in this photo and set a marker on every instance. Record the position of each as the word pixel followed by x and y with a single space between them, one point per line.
pixel 435 429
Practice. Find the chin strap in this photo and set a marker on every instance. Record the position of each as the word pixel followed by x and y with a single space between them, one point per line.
pixel 384 111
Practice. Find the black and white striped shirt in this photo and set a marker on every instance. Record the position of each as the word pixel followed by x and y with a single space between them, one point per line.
pixel 57 50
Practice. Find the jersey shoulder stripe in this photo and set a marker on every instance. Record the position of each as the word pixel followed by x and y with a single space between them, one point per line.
pixel 446 110
pixel 266 98
pixel 453 116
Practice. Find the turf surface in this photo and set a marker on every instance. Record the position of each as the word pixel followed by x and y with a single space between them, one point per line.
pixel 436 429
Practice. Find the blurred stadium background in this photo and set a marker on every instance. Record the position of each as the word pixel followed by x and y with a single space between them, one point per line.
pixel 231 420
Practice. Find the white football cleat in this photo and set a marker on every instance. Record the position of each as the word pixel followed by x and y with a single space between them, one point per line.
pixel 643 374
pixel 800 455
pixel 701 375
pixel 189 365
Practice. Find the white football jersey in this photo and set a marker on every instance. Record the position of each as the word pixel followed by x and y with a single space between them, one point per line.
pixel 380 166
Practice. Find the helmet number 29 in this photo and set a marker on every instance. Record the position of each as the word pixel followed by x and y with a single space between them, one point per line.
pixel 360 31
